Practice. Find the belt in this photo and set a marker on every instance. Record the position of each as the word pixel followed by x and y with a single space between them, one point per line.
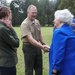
pixel 26 43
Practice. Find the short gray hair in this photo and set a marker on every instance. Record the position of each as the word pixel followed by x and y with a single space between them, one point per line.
pixel 30 6
pixel 64 15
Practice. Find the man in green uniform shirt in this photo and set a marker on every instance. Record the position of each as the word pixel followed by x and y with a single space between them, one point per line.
pixel 31 36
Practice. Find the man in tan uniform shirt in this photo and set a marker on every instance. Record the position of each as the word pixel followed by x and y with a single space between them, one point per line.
pixel 31 36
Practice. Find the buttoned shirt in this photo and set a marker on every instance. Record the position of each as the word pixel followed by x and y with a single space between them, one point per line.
pixel 32 28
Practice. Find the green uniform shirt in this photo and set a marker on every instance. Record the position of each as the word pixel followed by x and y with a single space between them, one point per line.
pixel 30 28
pixel 8 42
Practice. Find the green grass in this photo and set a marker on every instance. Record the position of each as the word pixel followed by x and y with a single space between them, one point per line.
pixel 47 35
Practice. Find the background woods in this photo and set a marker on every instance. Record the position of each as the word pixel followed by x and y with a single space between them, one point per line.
pixel 46 9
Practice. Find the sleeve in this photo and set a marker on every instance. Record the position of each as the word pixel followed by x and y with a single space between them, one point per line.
pixel 25 30
pixel 14 33
pixel 10 37
pixel 59 43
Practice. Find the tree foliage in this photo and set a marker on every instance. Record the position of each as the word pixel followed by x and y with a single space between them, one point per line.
pixel 46 9
pixel 68 4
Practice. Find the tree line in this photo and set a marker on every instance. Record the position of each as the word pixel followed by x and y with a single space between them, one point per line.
pixel 46 9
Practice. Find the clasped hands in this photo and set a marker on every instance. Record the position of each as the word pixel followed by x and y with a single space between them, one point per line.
pixel 46 48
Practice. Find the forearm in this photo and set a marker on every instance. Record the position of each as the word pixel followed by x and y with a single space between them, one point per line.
pixel 9 38
pixel 34 42
pixel 42 40
pixel 14 33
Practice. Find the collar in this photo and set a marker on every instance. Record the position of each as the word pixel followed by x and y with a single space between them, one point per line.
pixel 2 23
pixel 32 22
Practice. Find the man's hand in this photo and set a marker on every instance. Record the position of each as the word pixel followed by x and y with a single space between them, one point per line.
pixel 46 48
pixel 8 23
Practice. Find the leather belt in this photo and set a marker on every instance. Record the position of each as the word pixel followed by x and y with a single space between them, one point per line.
pixel 26 43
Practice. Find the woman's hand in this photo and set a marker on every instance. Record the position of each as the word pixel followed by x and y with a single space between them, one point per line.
pixel 8 23
pixel 54 72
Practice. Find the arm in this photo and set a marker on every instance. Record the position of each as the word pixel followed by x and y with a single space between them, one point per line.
pixel 37 44
pixel 7 36
pixel 41 40
pixel 59 41
pixel 13 33
pixel 34 42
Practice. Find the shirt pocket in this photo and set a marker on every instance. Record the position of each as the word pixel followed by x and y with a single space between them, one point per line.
pixel 37 27
pixel 32 29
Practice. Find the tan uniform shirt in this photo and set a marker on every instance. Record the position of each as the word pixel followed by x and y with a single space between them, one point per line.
pixel 30 28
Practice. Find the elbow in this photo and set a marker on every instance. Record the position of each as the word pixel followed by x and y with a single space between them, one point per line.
pixel 16 44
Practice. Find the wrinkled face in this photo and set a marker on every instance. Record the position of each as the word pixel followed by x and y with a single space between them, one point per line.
pixel 56 23
pixel 32 13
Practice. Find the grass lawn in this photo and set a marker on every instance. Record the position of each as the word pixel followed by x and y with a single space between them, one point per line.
pixel 47 35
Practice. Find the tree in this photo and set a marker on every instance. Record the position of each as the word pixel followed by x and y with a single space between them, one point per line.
pixel 17 12
pixel 68 4
pixel 41 12
pixel 46 9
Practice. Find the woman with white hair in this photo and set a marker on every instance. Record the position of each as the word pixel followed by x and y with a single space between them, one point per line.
pixel 62 50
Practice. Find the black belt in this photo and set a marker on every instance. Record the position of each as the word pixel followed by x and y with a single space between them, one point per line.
pixel 26 43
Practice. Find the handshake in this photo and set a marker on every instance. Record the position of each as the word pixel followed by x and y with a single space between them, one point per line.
pixel 46 48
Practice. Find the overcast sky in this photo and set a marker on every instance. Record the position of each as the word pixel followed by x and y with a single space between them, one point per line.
pixel 9 1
